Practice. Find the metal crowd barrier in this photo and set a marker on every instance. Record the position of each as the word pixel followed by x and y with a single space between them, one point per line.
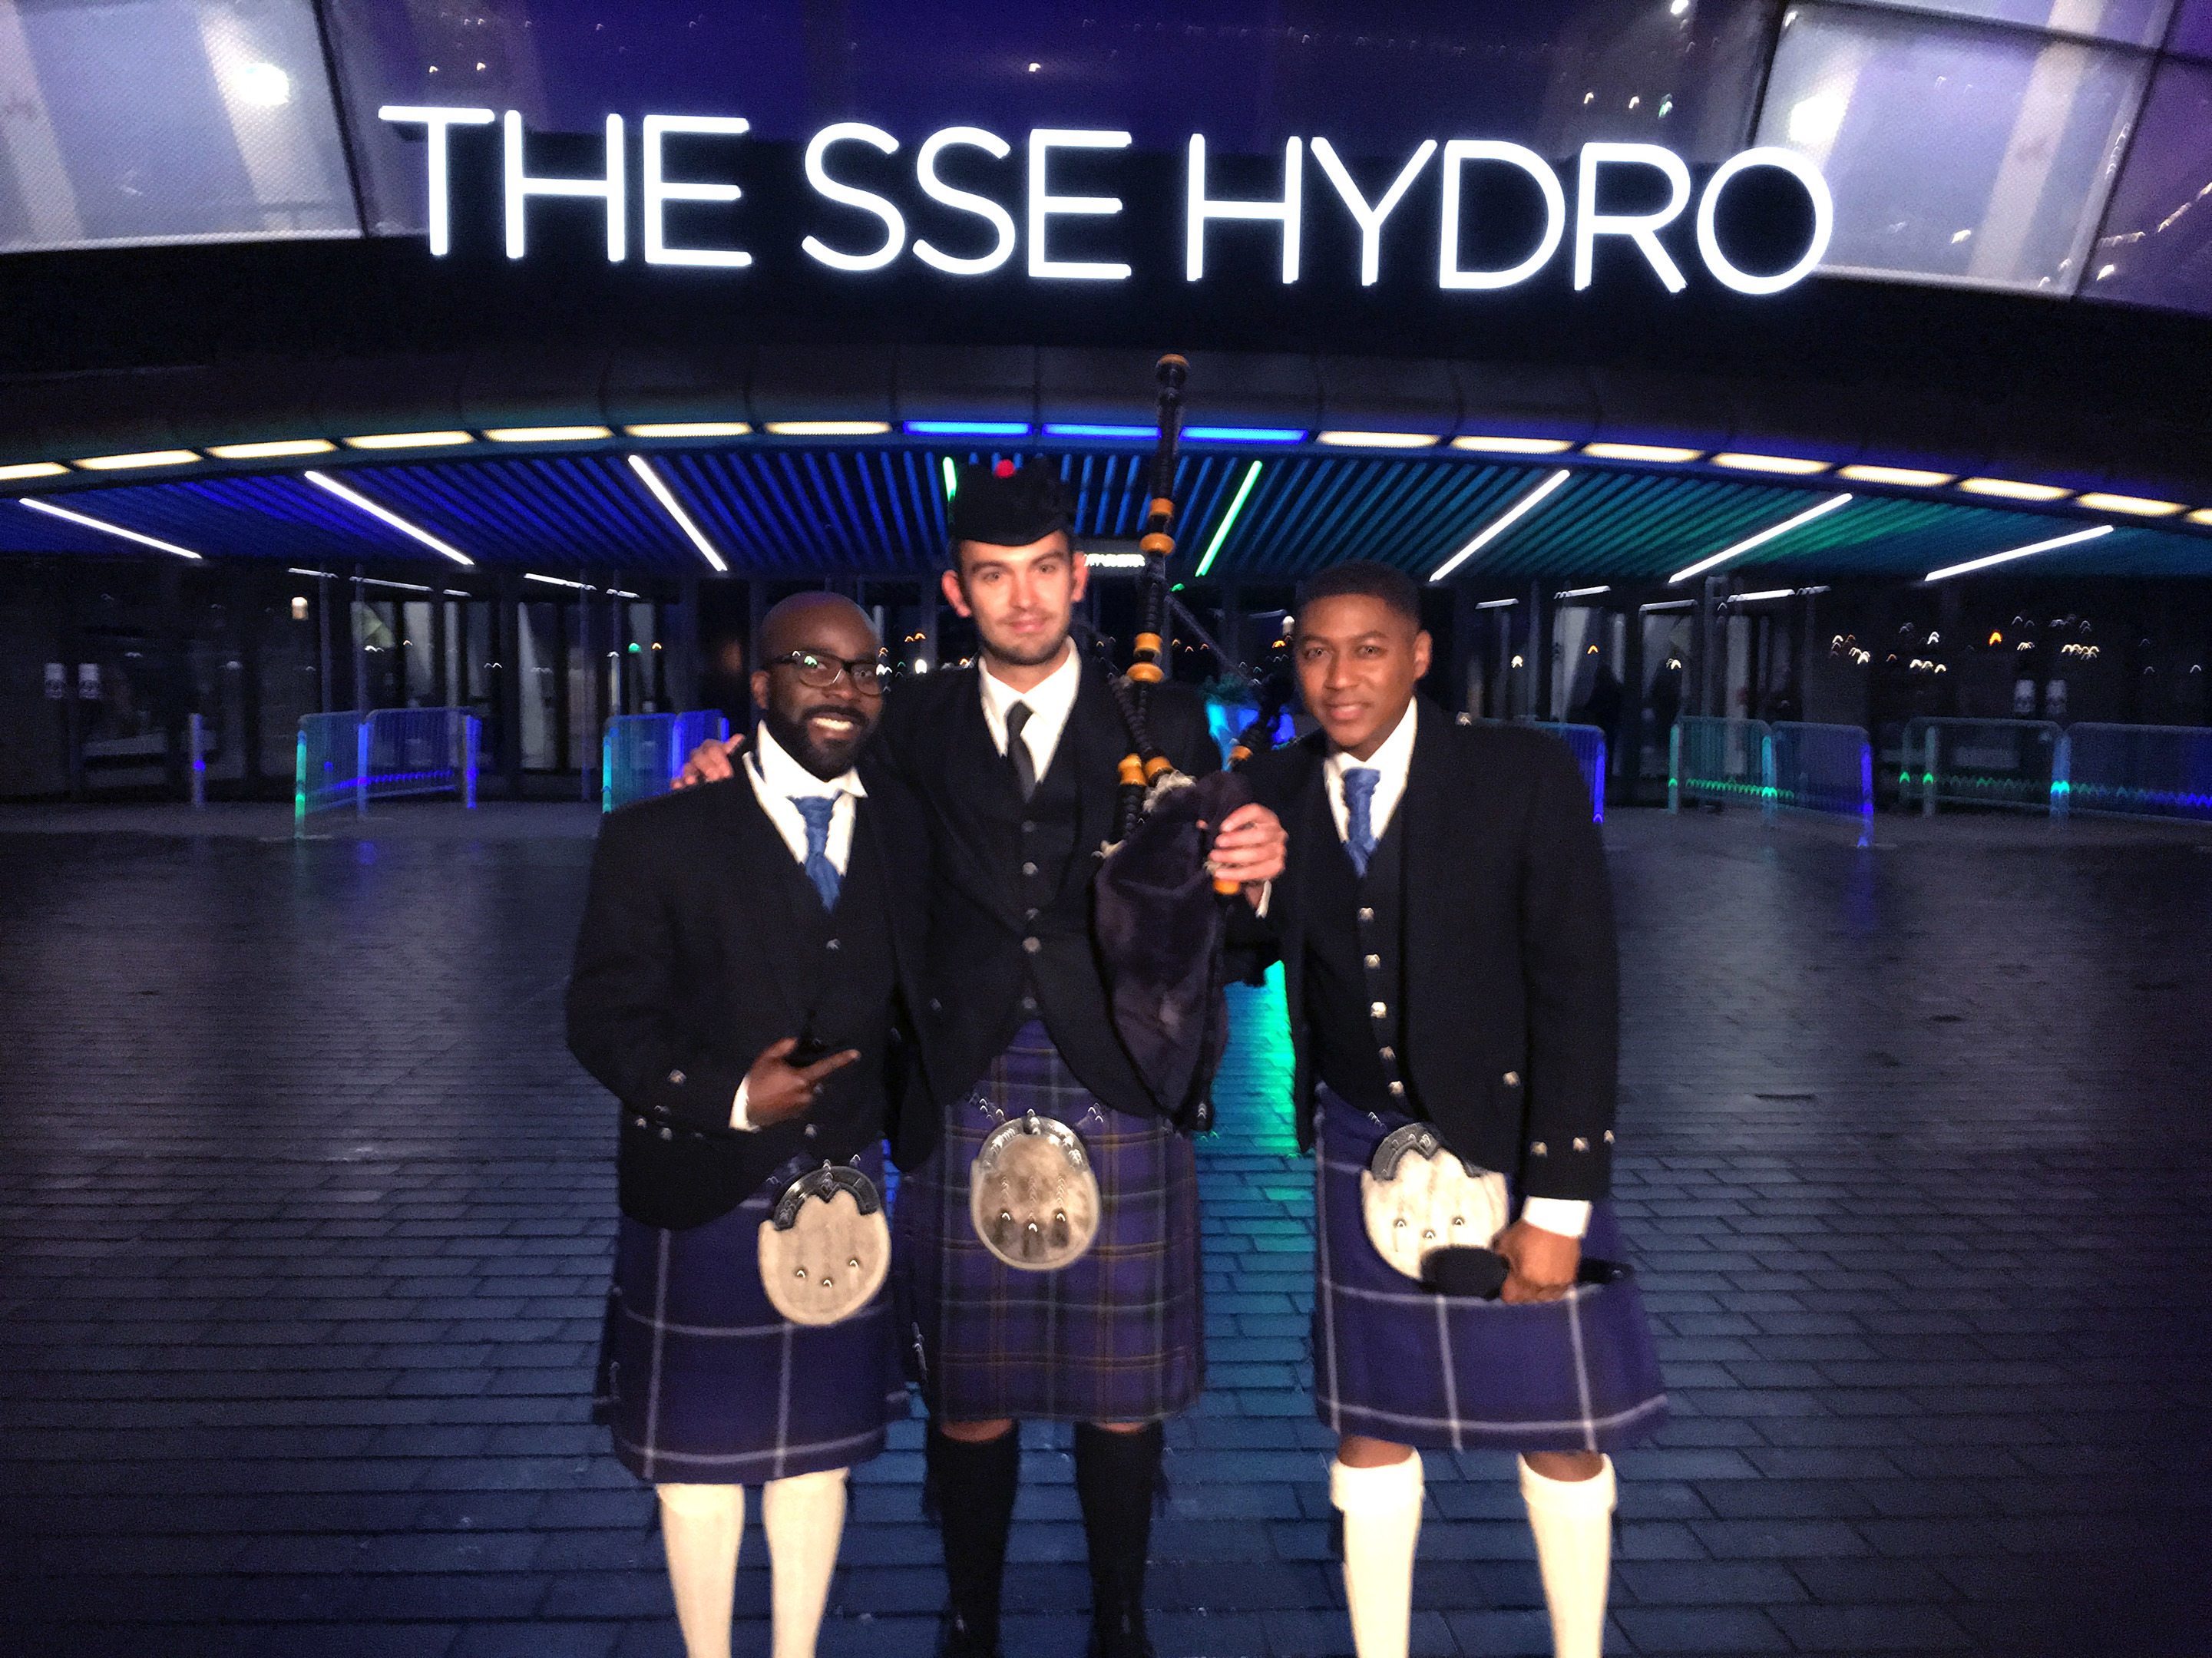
pixel 1993 763
pixel 2162 771
pixel 342 760
pixel 642 753
pixel 1716 761
pixel 1813 768
pixel 1587 742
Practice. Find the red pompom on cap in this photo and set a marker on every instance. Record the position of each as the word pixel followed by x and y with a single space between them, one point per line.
pixel 1005 468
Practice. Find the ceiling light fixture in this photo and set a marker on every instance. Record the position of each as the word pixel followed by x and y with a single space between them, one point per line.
pixel 1229 519
pixel 354 497
pixel 1645 452
pixel 547 433
pixel 1079 429
pixel 691 428
pixel 270 451
pixel 1496 604
pixel 1244 433
pixel 829 428
pixel 1513 446
pixel 2051 545
pixel 33 469
pixel 2009 489
pixel 409 440
pixel 150 458
pixel 651 474
pixel 1794 466
pixel 967 429
pixel 2134 506
pixel 1581 592
pixel 1910 477
pixel 1497 526
pixel 107 529
pixel 1761 538
pixel 1378 439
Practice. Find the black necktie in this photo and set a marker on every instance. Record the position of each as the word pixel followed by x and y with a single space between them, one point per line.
pixel 1017 715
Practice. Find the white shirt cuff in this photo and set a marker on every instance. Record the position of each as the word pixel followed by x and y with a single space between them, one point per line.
pixel 1568 1216
pixel 744 1125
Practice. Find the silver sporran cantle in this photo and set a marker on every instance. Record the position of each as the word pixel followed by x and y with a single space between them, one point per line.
pixel 827 1249
pixel 1418 1196
pixel 1032 1195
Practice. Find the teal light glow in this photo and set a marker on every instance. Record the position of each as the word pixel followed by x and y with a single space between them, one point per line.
pixel 1252 1091
pixel 952 480
pixel 1229 518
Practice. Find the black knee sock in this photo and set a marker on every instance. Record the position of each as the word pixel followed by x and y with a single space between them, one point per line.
pixel 1116 1475
pixel 974 1484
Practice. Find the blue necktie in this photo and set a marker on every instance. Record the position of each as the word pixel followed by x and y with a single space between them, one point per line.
pixel 816 809
pixel 1359 783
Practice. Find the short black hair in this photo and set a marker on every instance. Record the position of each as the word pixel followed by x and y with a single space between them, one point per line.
pixel 1366 578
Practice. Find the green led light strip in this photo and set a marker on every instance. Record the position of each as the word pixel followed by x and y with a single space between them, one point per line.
pixel 1229 519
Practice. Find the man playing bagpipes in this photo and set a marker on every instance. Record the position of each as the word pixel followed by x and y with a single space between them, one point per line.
pixel 1445 925
pixel 1047 1250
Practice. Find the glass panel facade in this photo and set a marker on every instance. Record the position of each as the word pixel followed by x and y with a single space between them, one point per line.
pixel 1958 153
pixel 137 121
pixel 2156 248
pixel 2135 22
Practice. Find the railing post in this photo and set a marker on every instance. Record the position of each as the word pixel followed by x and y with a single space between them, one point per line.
pixel 300 785
pixel 1866 791
pixel 2062 777
pixel 195 754
pixel 1927 771
pixel 607 766
pixel 1767 803
pixel 472 741
pixel 361 745
pixel 1674 766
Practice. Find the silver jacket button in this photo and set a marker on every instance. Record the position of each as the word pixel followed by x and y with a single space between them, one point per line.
pixel 1513 1079
pixel 1581 1144
pixel 675 1076
pixel 1538 1149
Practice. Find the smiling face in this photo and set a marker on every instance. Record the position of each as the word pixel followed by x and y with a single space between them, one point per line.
pixel 821 727
pixel 1022 598
pixel 1357 662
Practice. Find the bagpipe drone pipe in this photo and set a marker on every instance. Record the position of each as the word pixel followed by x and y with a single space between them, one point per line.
pixel 1162 917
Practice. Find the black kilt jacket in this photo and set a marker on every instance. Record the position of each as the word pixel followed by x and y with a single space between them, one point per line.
pixel 683 976
pixel 1511 986
pixel 935 736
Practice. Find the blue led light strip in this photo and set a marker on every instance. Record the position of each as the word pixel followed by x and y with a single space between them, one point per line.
pixel 967 429
pixel 1244 433
pixel 1063 429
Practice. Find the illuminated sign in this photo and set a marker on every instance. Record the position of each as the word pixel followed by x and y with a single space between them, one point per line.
pixel 1589 222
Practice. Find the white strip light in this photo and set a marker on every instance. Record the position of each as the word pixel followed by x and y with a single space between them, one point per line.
pixel 1504 521
pixel 1581 593
pixel 385 515
pixel 106 528
pixel 2019 552
pixel 580 586
pixel 1761 538
pixel 1496 604
pixel 645 469
pixel 1773 592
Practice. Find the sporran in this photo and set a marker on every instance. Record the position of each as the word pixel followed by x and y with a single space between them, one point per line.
pixel 1416 1197
pixel 1032 1196
pixel 826 1250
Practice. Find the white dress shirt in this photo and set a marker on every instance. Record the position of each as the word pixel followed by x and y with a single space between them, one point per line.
pixel 776 777
pixel 1569 1217
pixel 1051 701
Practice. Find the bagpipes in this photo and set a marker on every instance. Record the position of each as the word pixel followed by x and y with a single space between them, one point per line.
pixel 1162 917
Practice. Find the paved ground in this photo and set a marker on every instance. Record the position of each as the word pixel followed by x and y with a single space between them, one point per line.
pixel 305 1213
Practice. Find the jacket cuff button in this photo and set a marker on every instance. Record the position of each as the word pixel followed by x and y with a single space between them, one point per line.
pixel 1513 1079
pixel 1582 1145
pixel 675 1076
pixel 1538 1149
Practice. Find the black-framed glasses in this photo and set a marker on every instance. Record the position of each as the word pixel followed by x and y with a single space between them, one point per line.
pixel 819 670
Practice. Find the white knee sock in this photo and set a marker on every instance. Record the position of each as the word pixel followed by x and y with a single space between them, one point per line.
pixel 701 1526
pixel 805 1517
pixel 1382 1509
pixel 1573 1523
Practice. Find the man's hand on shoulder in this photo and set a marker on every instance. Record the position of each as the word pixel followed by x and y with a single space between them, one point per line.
pixel 1543 1263
pixel 776 1090
pixel 710 762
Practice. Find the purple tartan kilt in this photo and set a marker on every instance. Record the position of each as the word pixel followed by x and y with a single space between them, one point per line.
pixel 1394 1361
pixel 704 1383
pixel 1118 1336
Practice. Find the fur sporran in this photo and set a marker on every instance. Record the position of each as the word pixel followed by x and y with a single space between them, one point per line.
pixel 1418 1196
pixel 827 1249
pixel 1031 1193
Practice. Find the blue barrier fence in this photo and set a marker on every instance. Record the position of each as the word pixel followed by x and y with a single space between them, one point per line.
pixel 341 760
pixel 2158 771
pixel 642 753
pixel 1984 762
pixel 1716 761
pixel 1791 765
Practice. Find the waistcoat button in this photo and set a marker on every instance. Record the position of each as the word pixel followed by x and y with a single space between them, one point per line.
pixel 1032 945
pixel 1028 869
pixel 1374 960
pixel 1377 1010
pixel 1366 914
pixel 1513 1079
pixel 833 945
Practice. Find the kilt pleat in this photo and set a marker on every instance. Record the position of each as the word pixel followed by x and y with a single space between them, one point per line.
pixel 703 1381
pixel 1394 1361
pixel 1118 1336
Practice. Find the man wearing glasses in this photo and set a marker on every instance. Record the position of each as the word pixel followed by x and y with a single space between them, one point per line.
pixel 1015 762
pixel 748 955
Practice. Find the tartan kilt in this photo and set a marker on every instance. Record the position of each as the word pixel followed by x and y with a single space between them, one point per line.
pixel 1394 1361
pixel 1118 1336
pixel 704 1383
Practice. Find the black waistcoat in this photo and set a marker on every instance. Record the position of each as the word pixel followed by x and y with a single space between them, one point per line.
pixel 1031 846
pixel 840 971
pixel 1355 965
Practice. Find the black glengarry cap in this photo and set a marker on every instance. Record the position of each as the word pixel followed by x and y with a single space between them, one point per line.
pixel 1010 505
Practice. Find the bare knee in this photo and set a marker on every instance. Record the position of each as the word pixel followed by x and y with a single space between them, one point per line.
pixel 1359 1451
pixel 976 1433
pixel 1571 1465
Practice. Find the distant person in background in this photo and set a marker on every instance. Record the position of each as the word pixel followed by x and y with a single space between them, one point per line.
pixel 748 959
pixel 1602 708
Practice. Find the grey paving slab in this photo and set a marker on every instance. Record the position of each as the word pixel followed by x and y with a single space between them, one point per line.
pixel 304 1214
